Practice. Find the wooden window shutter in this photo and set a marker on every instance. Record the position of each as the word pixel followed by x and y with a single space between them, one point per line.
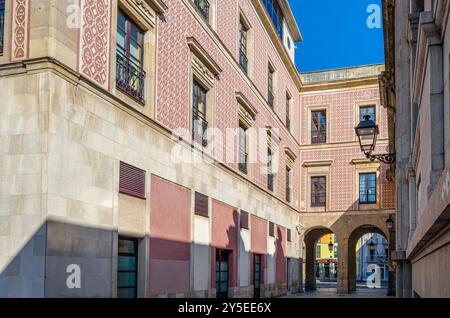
pixel 288 234
pixel 131 180
pixel 201 205
pixel 271 229
pixel 244 220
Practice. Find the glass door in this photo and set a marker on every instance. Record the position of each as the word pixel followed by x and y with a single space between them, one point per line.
pixel 257 276
pixel 222 273
pixel 127 268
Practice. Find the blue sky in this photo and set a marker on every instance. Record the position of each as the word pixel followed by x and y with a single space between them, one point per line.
pixel 335 34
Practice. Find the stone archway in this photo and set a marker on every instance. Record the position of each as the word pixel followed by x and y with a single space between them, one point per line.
pixel 311 237
pixel 351 256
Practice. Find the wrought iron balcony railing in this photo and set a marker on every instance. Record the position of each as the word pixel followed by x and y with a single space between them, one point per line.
pixel 130 77
pixel 203 8
pixel 243 61
pixel 318 200
pixel 288 194
pixel 270 98
pixel 243 162
pixel 270 181
pixel 367 198
pixel 377 259
pixel 199 128
pixel 319 136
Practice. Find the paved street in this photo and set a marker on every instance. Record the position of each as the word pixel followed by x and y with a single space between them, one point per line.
pixel 328 290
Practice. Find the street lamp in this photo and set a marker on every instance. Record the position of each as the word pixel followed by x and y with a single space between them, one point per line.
pixel 390 223
pixel 372 246
pixel 331 246
pixel 367 132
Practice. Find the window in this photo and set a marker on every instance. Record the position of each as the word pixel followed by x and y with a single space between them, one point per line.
pixel 319 127
pixel 367 111
pixel 288 234
pixel 276 15
pixel 203 8
pixel 318 249
pixel 335 252
pixel 130 75
pixel 244 220
pixel 127 268
pixel 131 180
pixel 288 112
pixel 222 273
pixel 271 229
pixel 270 175
pixel 199 125
pixel 243 43
pixel 243 155
pixel 368 188
pixel 318 191
pixel 270 97
pixel 2 25
pixel 288 184
pixel 201 205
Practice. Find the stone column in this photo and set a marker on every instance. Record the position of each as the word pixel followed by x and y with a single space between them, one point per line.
pixel 343 279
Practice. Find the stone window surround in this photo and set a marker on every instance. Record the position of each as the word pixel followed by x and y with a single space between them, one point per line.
pixel 310 110
pixel 144 14
pixel 318 169
pixel 290 159
pixel 203 70
pixel 212 12
pixel 367 166
pixel 246 116
pixel 250 41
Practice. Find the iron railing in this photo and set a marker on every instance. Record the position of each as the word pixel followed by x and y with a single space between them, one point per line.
pixel 318 200
pixel 270 98
pixel 243 61
pixel 367 198
pixel 288 193
pixel 243 162
pixel 203 8
pixel 199 128
pixel 270 182
pixel 377 258
pixel 319 136
pixel 130 77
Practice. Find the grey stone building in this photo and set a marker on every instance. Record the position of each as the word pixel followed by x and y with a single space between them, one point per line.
pixel 416 90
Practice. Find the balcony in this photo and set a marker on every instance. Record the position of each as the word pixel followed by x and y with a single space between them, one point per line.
pixel 318 200
pixel 270 98
pixel 243 162
pixel 199 128
pixel 270 182
pixel 377 259
pixel 243 61
pixel 130 78
pixel 319 136
pixel 203 8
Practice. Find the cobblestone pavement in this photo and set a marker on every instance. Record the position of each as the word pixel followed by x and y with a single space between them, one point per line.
pixel 328 290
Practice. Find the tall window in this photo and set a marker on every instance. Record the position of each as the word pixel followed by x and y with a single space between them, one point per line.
pixel 367 111
pixel 243 39
pixel 257 268
pixel 270 175
pixel 318 191
pixel 243 155
pixel 130 75
pixel 318 249
pixel 288 112
pixel 276 15
pixel 319 127
pixel 127 268
pixel 270 97
pixel 199 125
pixel 202 7
pixel 368 188
pixel 2 24
pixel 288 184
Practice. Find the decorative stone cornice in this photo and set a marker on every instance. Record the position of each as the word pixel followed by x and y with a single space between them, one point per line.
pixel 203 56
pixel 321 163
